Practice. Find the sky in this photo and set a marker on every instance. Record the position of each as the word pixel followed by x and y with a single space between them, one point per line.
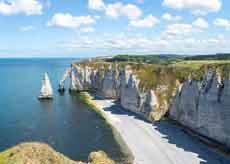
pixel 85 28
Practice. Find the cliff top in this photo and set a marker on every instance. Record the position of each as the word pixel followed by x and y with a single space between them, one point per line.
pixel 170 60
pixel 167 58
pixel 166 67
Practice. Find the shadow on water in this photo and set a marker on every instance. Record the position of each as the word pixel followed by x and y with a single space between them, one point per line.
pixel 61 93
pixel 46 104
pixel 175 135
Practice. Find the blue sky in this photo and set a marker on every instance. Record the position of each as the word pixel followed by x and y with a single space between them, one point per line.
pixel 82 28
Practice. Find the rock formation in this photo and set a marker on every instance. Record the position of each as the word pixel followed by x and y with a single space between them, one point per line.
pixel 120 84
pixel 129 95
pixel 151 103
pixel 203 106
pixel 110 84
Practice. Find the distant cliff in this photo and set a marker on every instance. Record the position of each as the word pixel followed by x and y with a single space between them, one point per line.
pixel 197 99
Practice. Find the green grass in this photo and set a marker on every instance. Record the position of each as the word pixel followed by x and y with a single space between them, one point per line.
pixel 168 59
pixel 197 64
pixel 153 59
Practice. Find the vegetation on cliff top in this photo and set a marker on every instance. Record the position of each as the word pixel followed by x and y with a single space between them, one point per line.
pixel 149 67
pixel 166 59
pixel 164 73
pixel 39 153
pixel 219 56
pixel 153 59
pixel 153 75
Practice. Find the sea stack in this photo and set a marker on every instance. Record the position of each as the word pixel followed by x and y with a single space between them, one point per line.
pixel 46 89
pixel 61 86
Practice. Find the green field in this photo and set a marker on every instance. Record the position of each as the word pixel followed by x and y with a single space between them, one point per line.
pixel 197 64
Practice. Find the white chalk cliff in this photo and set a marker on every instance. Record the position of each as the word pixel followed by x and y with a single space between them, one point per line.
pixel 203 106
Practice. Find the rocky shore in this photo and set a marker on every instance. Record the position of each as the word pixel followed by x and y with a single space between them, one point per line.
pixel 201 105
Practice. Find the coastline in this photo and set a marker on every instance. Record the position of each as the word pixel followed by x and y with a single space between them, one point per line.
pixel 88 99
pixel 158 142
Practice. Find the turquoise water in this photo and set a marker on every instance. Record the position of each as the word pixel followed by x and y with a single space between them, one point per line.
pixel 64 123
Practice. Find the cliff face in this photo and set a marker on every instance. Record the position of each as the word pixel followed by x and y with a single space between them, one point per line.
pixel 110 84
pixel 118 84
pixel 203 106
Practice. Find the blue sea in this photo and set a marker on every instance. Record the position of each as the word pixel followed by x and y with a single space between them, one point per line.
pixel 65 123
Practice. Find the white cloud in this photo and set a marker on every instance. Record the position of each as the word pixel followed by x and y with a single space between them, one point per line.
pixel 131 11
pixel 68 21
pixel 220 22
pixel 114 10
pixel 145 44
pixel 118 42
pixel 27 28
pixel 27 7
pixel 196 6
pixel 169 17
pixel 118 9
pixel 179 30
pixel 200 23
pixel 147 22
pixel 87 29
pixel 96 4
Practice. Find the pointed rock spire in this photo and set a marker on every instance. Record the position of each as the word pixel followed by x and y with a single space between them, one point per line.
pixel 46 89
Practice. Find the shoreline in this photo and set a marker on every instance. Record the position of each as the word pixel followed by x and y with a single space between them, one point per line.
pixel 87 98
pixel 158 142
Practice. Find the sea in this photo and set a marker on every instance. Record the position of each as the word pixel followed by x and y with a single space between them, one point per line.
pixel 66 124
